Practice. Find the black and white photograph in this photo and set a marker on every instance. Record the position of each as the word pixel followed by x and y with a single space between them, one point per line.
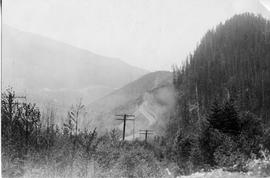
pixel 135 88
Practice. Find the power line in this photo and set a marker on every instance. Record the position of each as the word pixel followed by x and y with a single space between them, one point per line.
pixel 20 97
pixel 125 118
pixel 146 133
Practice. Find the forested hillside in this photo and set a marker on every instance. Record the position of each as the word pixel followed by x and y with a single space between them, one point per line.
pixel 231 60
pixel 223 96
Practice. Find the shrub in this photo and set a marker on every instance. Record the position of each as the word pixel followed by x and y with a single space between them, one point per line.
pixel 260 166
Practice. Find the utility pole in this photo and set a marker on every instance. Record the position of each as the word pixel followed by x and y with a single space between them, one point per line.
pixel 133 129
pixel 125 118
pixel 20 97
pixel 26 133
pixel 146 132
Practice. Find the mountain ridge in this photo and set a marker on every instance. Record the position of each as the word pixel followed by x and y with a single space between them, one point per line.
pixel 150 98
pixel 45 66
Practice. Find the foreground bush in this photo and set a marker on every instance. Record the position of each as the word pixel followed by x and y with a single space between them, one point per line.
pixel 260 166
pixel 32 148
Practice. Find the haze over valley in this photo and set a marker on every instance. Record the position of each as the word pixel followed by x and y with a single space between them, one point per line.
pixel 54 71
pixel 135 88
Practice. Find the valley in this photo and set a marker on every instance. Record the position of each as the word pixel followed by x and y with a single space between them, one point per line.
pixel 64 109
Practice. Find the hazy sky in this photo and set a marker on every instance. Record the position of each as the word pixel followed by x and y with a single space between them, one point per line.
pixel 152 34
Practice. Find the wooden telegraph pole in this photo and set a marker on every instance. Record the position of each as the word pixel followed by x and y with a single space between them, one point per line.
pixel 146 132
pixel 133 129
pixel 20 97
pixel 125 118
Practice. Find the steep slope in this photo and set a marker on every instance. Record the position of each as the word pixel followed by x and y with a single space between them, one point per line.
pixel 149 98
pixel 223 94
pixel 232 61
pixel 132 90
pixel 46 67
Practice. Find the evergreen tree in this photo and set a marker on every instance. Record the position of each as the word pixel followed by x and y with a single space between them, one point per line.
pixel 215 116
pixel 230 123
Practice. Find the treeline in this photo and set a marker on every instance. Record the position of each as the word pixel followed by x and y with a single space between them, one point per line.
pixel 231 60
pixel 223 98
pixel 32 146
pixel 221 119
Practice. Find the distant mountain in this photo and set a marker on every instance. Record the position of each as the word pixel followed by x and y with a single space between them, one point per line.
pixel 149 98
pixel 54 70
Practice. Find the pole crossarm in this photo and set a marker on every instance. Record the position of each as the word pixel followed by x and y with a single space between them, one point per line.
pixel 19 97
pixel 23 97
pixel 125 118
pixel 129 115
pixel 146 133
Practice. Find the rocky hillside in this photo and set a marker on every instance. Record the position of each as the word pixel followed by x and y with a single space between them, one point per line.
pixel 149 98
